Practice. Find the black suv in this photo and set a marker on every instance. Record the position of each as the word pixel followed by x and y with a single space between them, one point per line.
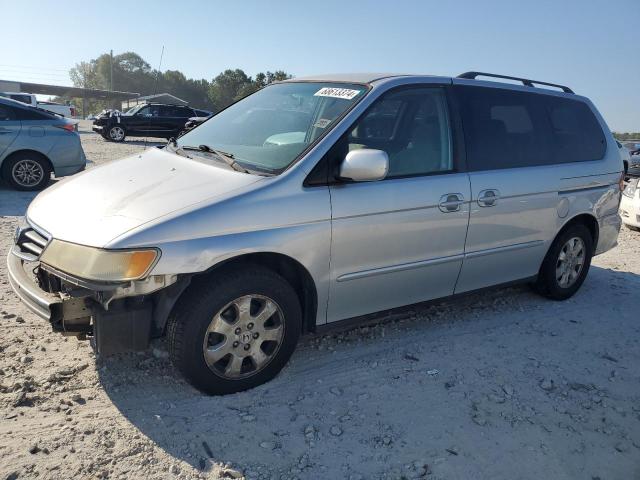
pixel 145 120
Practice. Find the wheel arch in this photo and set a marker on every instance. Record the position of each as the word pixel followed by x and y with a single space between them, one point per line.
pixel 289 268
pixel 589 221
pixel 21 151
pixel 585 219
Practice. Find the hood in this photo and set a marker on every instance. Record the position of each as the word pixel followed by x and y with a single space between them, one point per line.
pixel 104 202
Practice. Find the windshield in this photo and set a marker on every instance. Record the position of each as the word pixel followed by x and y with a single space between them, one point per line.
pixel 133 110
pixel 269 129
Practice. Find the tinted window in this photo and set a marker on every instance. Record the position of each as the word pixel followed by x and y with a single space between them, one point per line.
pixel 503 128
pixel 577 135
pixel 33 114
pixel 412 126
pixel 176 111
pixel 510 129
pixel 6 113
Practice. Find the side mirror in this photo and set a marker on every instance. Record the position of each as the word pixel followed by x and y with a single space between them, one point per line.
pixel 365 165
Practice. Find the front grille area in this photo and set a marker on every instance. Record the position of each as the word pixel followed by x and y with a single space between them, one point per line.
pixel 30 244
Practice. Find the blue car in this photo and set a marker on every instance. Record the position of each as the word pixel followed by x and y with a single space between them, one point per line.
pixel 34 144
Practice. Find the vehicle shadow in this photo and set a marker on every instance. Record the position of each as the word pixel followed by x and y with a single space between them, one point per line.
pixel 14 203
pixel 364 389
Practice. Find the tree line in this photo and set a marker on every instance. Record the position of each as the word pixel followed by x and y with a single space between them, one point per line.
pixel 626 136
pixel 129 72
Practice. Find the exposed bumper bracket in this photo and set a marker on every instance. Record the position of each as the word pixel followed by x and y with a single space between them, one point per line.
pixel 46 305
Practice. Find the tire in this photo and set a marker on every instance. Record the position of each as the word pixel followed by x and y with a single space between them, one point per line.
pixel 555 279
pixel 211 306
pixel 116 133
pixel 27 171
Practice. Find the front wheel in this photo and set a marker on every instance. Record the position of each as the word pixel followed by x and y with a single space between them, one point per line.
pixel 567 263
pixel 235 330
pixel 116 133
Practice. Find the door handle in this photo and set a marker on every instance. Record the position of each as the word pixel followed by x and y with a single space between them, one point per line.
pixel 450 202
pixel 488 198
pixel 3 131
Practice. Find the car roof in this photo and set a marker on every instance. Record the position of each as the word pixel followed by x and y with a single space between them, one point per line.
pixel 352 77
pixel 164 104
pixel 373 78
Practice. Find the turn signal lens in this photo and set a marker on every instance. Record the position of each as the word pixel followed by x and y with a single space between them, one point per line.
pixel 139 263
pixel 97 264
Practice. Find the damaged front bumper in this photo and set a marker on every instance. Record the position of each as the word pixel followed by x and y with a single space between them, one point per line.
pixel 121 316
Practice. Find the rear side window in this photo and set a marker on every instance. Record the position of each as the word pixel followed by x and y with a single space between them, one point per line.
pixel 33 114
pixel 175 111
pixel 577 135
pixel 510 129
pixel 6 114
pixel 503 128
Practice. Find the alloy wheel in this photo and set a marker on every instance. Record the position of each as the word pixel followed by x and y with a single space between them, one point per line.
pixel 27 173
pixel 116 133
pixel 570 262
pixel 244 336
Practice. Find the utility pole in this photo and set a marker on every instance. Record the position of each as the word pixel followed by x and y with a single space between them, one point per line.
pixel 111 70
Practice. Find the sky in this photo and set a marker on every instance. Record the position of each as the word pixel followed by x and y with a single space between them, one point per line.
pixel 589 45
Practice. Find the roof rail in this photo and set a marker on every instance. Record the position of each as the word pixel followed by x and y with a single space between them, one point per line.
pixel 525 81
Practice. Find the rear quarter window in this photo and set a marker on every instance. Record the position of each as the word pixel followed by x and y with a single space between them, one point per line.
pixel 577 135
pixel 32 114
pixel 6 113
pixel 506 128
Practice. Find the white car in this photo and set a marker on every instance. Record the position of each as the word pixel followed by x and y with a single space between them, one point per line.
pixel 630 205
pixel 68 111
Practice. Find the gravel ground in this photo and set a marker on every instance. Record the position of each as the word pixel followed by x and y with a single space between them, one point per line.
pixel 498 385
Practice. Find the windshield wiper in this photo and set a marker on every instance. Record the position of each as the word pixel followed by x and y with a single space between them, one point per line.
pixel 226 157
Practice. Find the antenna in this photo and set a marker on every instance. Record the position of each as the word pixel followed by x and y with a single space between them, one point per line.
pixel 155 90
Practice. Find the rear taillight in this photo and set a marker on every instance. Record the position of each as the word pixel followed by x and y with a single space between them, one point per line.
pixel 621 182
pixel 69 127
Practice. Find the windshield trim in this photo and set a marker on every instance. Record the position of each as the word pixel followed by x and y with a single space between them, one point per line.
pixel 301 155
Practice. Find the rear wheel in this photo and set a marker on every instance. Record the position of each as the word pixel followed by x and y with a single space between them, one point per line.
pixel 27 171
pixel 234 331
pixel 567 263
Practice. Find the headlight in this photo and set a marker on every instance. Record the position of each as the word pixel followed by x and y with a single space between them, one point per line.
pixel 96 264
pixel 630 189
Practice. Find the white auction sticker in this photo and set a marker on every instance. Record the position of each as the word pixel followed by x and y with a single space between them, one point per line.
pixel 346 93
pixel 322 123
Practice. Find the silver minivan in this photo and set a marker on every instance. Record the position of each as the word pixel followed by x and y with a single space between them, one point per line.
pixel 316 200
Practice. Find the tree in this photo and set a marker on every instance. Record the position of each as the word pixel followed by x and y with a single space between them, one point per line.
pixel 232 85
pixel 226 86
pixel 132 73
